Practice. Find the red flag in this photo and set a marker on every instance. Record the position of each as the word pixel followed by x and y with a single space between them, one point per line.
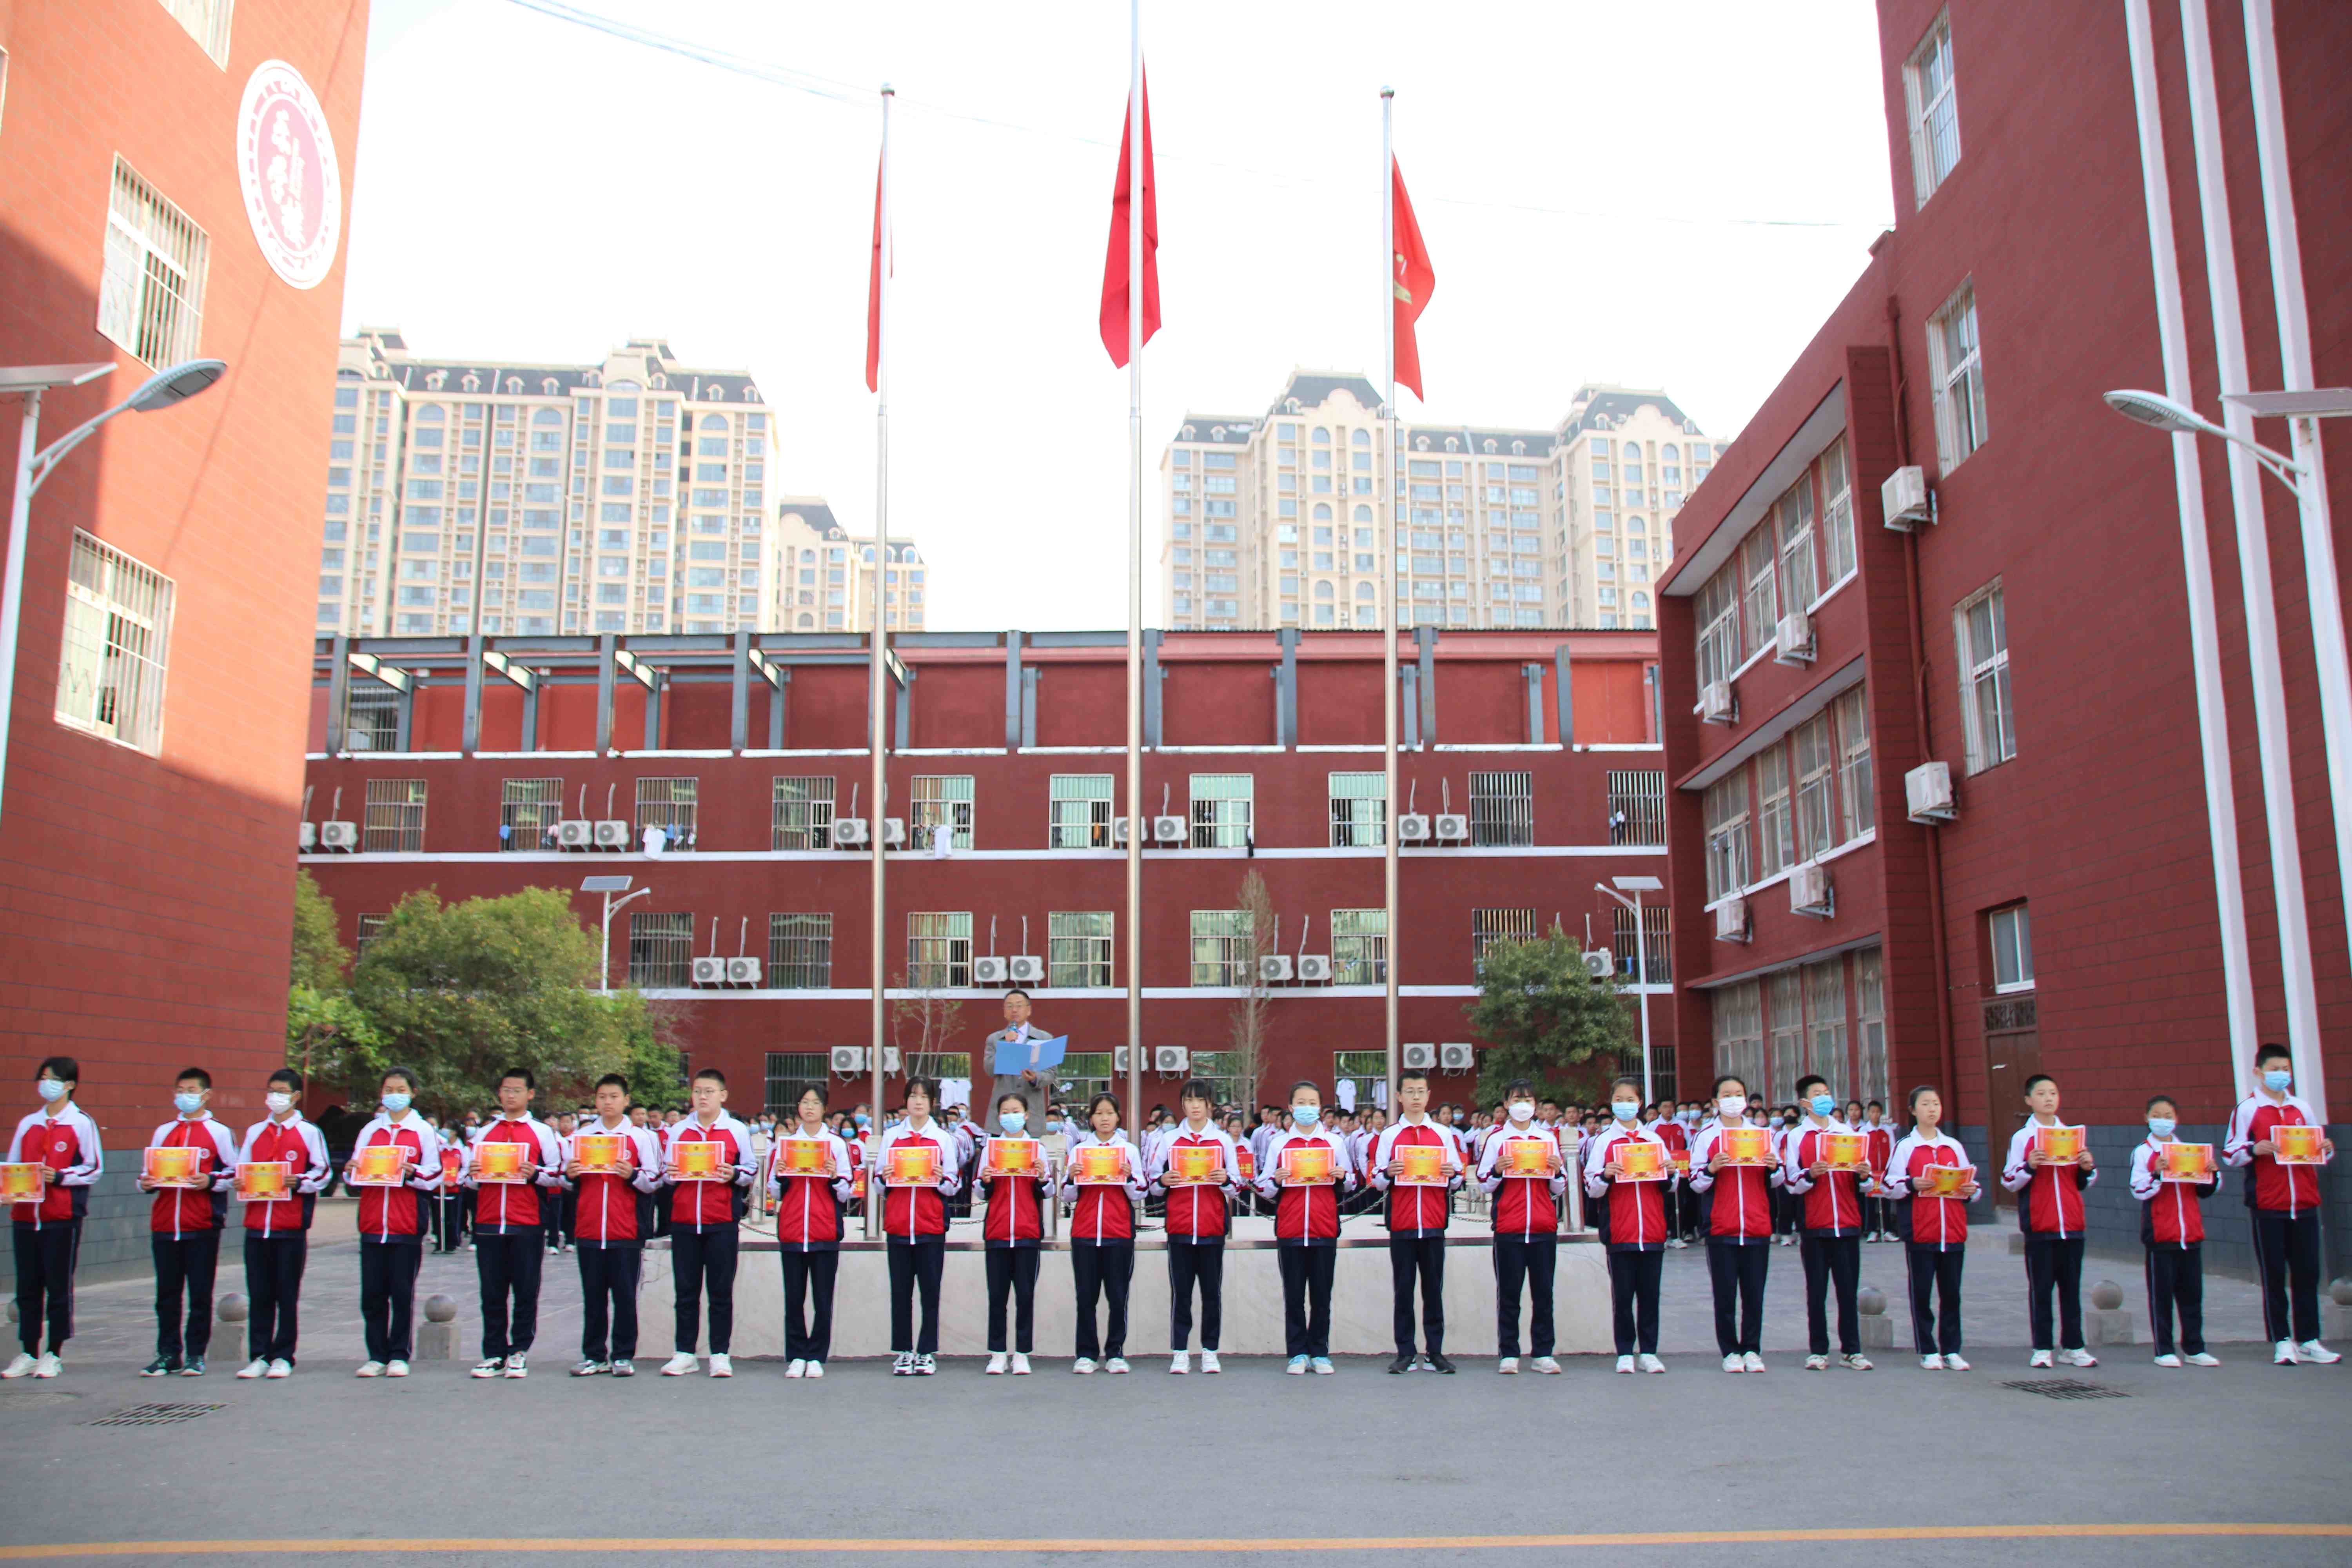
pixel 874 295
pixel 1415 280
pixel 1115 292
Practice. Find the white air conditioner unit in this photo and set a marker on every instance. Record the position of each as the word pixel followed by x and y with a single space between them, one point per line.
pixel 1458 1057
pixel 710 972
pixel 1927 793
pixel 1274 966
pixel 849 1058
pixel 1119 1059
pixel 1412 827
pixel 1026 969
pixel 1453 827
pixel 1171 1059
pixel 613 835
pixel 1421 1056
pixel 575 833
pixel 890 1058
pixel 308 838
pixel 1118 832
pixel 1716 705
pixel 894 833
pixel 1731 921
pixel 1905 499
pixel 1600 962
pixel 849 832
pixel 743 971
pixel 1314 966
pixel 1168 830
pixel 988 972
pixel 339 835
pixel 1810 892
pixel 1793 640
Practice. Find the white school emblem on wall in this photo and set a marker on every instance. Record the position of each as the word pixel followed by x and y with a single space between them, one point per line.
pixel 286 166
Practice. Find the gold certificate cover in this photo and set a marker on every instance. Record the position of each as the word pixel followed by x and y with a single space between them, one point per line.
pixel 1747 1146
pixel 175 1167
pixel 1307 1165
pixel 1526 1157
pixel 2059 1142
pixel 381 1165
pixel 1424 1165
pixel 805 1157
pixel 599 1153
pixel 1190 1165
pixel 1942 1181
pixel 1094 1163
pixel 1012 1157
pixel 1640 1161
pixel 2296 1145
pixel 1845 1151
pixel 497 1162
pixel 698 1160
pixel 264 1180
pixel 913 1165
pixel 2187 1161
pixel 20 1183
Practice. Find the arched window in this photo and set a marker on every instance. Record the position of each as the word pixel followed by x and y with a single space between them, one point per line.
pixel 807 622
pixel 549 417
pixel 1322 436
pixel 431 414
pixel 1323 514
pixel 1518 449
pixel 514 385
pixel 1490 446
pixel 1363 513
pixel 1364 593
pixel 550 385
pixel 712 422
pixel 1633 451
pixel 1361 438
pixel 434 378
pixel 1323 590
pixel 1641 601
pixel 1670 453
pixel 472 383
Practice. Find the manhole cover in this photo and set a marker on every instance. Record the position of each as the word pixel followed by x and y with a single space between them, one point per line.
pixel 155 1414
pixel 2067 1388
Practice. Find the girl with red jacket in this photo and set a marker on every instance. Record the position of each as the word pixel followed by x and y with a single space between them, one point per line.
pixel 1738 1231
pixel 1937 1229
pixel 1636 1227
pixel 1305 1229
pixel 391 1226
pixel 808 1233
pixel 1527 1230
pixel 915 1222
pixel 1197 1220
pixel 2172 1229
pixel 1013 1230
pixel 1102 1234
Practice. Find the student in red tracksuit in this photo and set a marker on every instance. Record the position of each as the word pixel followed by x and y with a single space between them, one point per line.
pixel 1832 1229
pixel 609 1231
pixel 391 1226
pixel 915 1225
pixel 1738 1231
pixel 706 1216
pixel 1102 1235
pixel 2284 1201
pixel 1305 1229
pixel 1417 1216
pixel 1637 1229
pixel 2050 1213
pixel 1198 1215
pixel 1676 1138
pixel 278 1234
pixel 183 1225
pixel 1877 1208
pixel 62 1140
pixel 510 1220
pixel 808 1233
pixel 1935 1248
pixel 1526 1223
pixel 1013 1230
pixel 2172 1229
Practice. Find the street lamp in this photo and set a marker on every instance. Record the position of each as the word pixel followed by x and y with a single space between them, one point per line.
pixel 1637 886
pixel 608 886
pixel 35 463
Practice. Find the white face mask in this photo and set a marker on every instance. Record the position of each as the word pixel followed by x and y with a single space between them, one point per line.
pixel 1733 1105
pixel 279 1104
pixel 1520 1110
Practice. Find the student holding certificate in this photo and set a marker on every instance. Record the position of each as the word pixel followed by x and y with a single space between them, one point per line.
pixel 808 1181
pixel 395 1166
pixel 2172 1229
pixel 1635 1230
pixel 1196 1165
pixel 1104 1174
pixel 710 1169
pixel 1827 1164
pixel 1733 1160
pixel 190 1161
pixel 1520 1164
pixel 1418 1164
pixel 2283 1194
pixel 517 1173
pixel 2050 1163
pixel 609 1229
pixel 913 1191
pixel 1012 1170
pixel 60 1141
pixel 278 1229
pixel 1928 1172
pixel 1305 1174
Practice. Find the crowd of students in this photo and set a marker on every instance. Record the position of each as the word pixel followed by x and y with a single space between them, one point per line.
pixel 1657 1176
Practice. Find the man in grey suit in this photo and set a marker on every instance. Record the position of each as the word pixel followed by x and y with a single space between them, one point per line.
pixel 1030 1085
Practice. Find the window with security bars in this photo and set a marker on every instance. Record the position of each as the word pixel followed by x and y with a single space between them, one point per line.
pixel 1078 811
pixel 115 647
pixel 939 950
pixel 1727 834
pixel 1980 631
pixel 1870 1022
pixel 1359 1079
pixel 1815 760
pixel 372 718
pixel 791 1074
pixel 364 932
pixel 1359 947
pixel 1785 1000
pixel 1224 947
pixel 1222 809
pixel 800 951
pixel 1931 106
pixel 940 800
pixel 1488 927
pixel 1078 945
pixel 1956 377
pixel 1658 944
pixel 1637 806
pixel 1739 1039
pixel 1360 810
pixel 1760 593
pixel 206 22
pixel 395 817
pixel 150 295
pixel 1857 805
pixel 1837 513
pixel 801 817
pixel 1825 1023
pixel 661 951
pixel 668 804
pixel 1502 808
pixel 1776 842
pixel 1716 616
pixel 528 810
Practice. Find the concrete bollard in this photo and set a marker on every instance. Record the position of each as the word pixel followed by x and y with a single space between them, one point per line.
pixel 233 1309
pixel 437 1337
pixel 1878 1328
pixel 2107 1321
pixel 2335 1310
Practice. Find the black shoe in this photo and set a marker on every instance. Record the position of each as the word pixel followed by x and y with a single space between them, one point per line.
pixel 1438 1362
pixel 1402 1363
pixel 162 1365
pixel 192 1367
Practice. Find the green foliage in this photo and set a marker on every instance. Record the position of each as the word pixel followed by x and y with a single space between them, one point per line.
pixel 321 960
pixel 1544 1020
pixel 332 1038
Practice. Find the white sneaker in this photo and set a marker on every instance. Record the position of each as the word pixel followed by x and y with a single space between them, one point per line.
pixel 18 1368
pixel 370 1369
pixel 1020 1364
pixel 489 1366
pixel 1678 1243
pixel 1952 1362
pixel 816 1369
pixel 681 1365
pixel 1509 1367
pixel 1624 1363
pixel 799 1368
pixel 995 1367
pixel 903 1364
pixel 1931 1364
pixel 1546 1365
pixel 1323 1367
pixel 1295 1366
pixel 1857 1361
pixel 1651 1363
pixel 1817 1363
pixel 1084 1366
pixel 49 1365
pixel 2283 1353
pixel 2041 1358
pixel 280 1367
pixel 2169 1359
pixel 1751 1361
pixel 721 1366
pixel 2078 1357
pixel 2313 1350
pixel 254 1368
pixel 1181 1362
pixel 1209 1361
pixel 2202 1359
pixel 1734 1364
pixel 395 1369
pixel 518 1365
pixel 1115 1364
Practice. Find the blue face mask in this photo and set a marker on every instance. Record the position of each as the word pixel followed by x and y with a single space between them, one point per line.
pixel 189 1104
pixel 2161 1126
pixel 2277 1081
pixel 396 1103
pixel 1824 1105
pixel 1306 1115
pixel 861 1120
pixel 1013 1121
pixel 52 1089
pixel 1624 1110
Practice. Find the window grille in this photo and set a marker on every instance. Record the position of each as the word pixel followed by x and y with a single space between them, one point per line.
pixel 1223 949
pixel 1637 806
pixel 115 647
pixel 1222 806
pixel 1360 810
pixel 1079 810
pixel 668 804
pixel 939 950
pixel 941 799
pixel 1502 808
pixel 395 817
pixel 151 294
pixel 1359 947
pixel 1079 947
pixel 661 951
pixel 800 951
pixel 528 811
pixel 800 813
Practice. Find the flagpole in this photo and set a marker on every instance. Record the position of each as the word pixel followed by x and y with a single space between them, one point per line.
pixel 1395 461
pixel 877 736
pixel 1135 197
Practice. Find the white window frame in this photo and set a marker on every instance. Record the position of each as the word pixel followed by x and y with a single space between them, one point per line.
pixel 1857 786
pixel 938 949
pixel 670 805
pixel 1957 378
pixel 1359 947
pixel 1718 624
pixel 2011 928
pixel 800 812
pixel 1726 807
pixel 1224 947
pixel 1815 760
pixel 115 655
pixel 1825 1050
pixel 1932 109
pixel 527 808
pixel 1984 676
pixel 1502 807
pixel 1360 810
pixel 1784 993
pixel 1078 811
pixel 1792 523
pixel 1488 927
pixel 1837 513
pixel 393 822
pixel 1760 579
pixel 208 22
pixel 151 294
pixel 941 799
pixel 1224 809
pixel 1738 1018
pixel 1080 945
pixel 1637 806
pixel 1776 838
pixel 1870 1022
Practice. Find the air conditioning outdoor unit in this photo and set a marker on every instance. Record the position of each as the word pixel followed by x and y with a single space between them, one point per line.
pixel 1731 921
pixel 1453 827
pixel 988 972
pixel 1168 830
pixel 1274 966
pixel 710 972
pixel 1422 1057
pixel 1026 969
pixel 1905 499
pixel 308 838
pixel 1119 1060
pixel 1716 705
pixel 1314 966
pixel 1809 890
pixel 575 833
pixel 894 833
pixel 1600 962
pixel 743 971
pixel 849 832
pixel 1171 1059
pixel 613 835
pixel 849 1058
pixel 1927 793
pixel 890 1058
pixel 1792 641
pixel 1459 1057
pixel 1412 827
pixel 339 835
pixel 1119 833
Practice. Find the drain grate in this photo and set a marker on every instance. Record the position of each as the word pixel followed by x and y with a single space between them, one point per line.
pixel 155 1414
pixel 2067 1388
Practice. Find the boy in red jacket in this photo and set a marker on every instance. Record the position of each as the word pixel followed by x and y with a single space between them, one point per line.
pixel 1417 1216
pixel 2050 1213
pixel 392 1226
pixel 62 1140
pixel 184 1225
pixel 2284 1198
pixel 278 1234
pixel 2172 1229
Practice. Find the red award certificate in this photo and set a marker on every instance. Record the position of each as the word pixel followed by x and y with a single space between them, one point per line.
pixel 1421 1165
pixel 1097 1165
pixel 913 1165
pixel 380 1165
pixel 20 1183
pixel 1307 1165
pixel 1014 1157
pixel 698 1160
pixel 500 1163
pixel 1747 1146
pixel 803 1157
pixel 2058 1144
pixel 599 1153
pixel 1526 1157
pixel 2187 1162
pixel 1845 1151
pixel 1195 1164
pixel 1942 1181
pixel 2295 1145
pixel 1640 1161
pixel 264 1180
pixel 1246 1159
pixel 175 1167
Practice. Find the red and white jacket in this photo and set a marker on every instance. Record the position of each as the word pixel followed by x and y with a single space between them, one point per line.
pixel 1833 1201
pixel 1015 1214
pixel 1305 1216
pixel 1103 1212
pixel 503 1207
pixel 178 1211
pixel 2052 1205
pixel 1882 1146
pixel 912 1214
pixel 66 1143
pixel 2172 1213
pixel 700 1204
pixel 2278 1189
pixel 1742 1211
pixel 396 1213
pixel 1418 1210
pixel 1939 1223
pixel 1523 1205
pixel 808 1208
pixel 1637 1210
pixel 295 1143
pixel 607 1215
pixel 1196 1212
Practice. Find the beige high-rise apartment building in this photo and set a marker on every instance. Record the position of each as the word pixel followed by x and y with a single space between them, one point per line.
pixel 825 574
pixel 1274 520
pixel 624 496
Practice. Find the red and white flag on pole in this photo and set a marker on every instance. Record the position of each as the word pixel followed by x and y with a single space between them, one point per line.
pixel 1118 291
pixel 1413 279
pixel 873 294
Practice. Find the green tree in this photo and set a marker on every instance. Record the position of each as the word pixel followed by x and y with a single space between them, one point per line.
pixel 1545 1019
pixel 332 1038
pixel 321 962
